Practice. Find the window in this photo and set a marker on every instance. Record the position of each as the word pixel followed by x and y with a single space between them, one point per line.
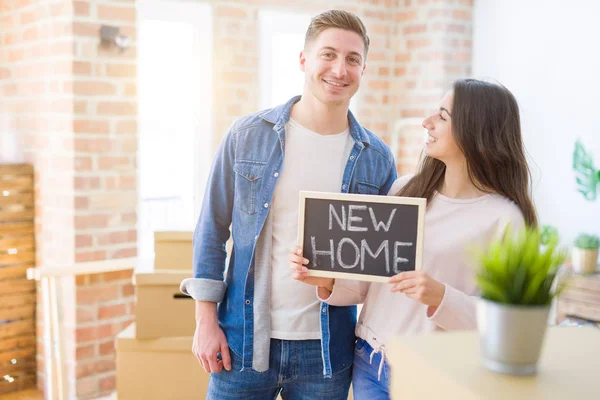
pixel 174 81
pixel 281 40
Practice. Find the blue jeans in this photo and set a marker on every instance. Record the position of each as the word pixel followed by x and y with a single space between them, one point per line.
pixel 365 382
pixel 295 372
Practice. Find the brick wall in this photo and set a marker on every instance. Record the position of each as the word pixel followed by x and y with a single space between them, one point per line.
pixel 104 133
pixel 35 108
pixel 72 105
pixel 417 48
pixel 36 92
pixel 105 186
pixel 236 61
pixel 105 306
pixel 432 47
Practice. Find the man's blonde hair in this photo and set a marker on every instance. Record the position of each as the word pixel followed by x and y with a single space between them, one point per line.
pixel 337 19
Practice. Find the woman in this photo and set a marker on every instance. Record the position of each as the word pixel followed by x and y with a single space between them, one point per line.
pixel 475 178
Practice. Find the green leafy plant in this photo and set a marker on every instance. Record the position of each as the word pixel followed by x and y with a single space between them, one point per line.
pixel 548 234
pixel 518 270
pixel 586 175
pixel 588 242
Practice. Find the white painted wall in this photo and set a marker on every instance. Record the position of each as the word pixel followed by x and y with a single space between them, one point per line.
pixel 547 53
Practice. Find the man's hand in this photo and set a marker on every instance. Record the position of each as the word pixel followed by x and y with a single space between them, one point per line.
pixel 209 339
pixel 300 272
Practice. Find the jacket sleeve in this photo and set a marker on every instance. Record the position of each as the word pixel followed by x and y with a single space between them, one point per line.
pixel 346 293
pixel 212 229
pixel 456 311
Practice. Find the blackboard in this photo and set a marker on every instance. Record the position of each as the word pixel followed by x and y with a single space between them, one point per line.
pixel 360 237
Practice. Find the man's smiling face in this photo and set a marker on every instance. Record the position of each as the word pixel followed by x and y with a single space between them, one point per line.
pixel 333 64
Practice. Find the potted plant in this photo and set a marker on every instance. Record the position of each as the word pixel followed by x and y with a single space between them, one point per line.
pixel 516 276
pixel 584 257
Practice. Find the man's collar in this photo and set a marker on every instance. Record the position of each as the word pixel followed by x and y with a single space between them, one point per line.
pixel 280 115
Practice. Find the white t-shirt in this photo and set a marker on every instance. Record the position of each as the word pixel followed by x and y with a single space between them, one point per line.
pixel 312 162
pixel 450 226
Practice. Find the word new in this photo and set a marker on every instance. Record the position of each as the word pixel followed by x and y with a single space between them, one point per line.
pixel 352 223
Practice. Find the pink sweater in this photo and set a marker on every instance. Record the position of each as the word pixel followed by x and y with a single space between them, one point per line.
pixel 450 226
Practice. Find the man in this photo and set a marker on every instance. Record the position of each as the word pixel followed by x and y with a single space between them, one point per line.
pixel 271 333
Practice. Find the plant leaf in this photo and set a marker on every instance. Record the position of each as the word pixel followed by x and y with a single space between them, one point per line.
pixel 492 292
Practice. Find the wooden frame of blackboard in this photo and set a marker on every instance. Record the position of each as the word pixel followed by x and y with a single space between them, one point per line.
pixel 363 198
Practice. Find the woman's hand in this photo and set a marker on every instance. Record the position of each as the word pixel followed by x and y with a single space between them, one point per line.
pixel 300 272
pixel 418 285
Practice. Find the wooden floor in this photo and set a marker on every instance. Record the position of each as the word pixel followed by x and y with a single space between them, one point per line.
pixel 33 394
pixel 30 394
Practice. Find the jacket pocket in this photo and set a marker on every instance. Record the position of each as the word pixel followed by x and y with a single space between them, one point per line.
pixel 366 188
pixel 247 184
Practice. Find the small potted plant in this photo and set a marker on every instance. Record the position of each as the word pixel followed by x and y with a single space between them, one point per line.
pixel 584 256
pixel 516 277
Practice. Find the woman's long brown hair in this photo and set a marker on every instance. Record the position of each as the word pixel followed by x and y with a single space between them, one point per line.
pixel 487 128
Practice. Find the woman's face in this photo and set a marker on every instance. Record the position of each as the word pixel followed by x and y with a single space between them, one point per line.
pixel 440 141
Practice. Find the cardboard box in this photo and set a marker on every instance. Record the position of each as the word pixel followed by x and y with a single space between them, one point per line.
pixel 173 250
pixel 158 369
pixel 161 309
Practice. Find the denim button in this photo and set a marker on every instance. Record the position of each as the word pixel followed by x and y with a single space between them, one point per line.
pixel 266 205
pixel 276 174
pixel 247 302
pixel 352 157
pixel 343 186
pixel 324 309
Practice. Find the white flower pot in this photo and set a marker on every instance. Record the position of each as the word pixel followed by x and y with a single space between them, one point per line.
pixel 511 336
pixel 585 261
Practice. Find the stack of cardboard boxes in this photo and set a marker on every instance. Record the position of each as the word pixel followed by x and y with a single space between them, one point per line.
pixel 154 355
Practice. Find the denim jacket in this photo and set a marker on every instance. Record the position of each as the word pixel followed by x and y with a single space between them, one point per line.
pixel 238 195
